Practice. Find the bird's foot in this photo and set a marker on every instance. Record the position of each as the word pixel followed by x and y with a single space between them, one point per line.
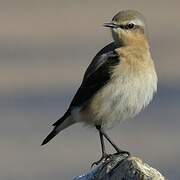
pixel 104 158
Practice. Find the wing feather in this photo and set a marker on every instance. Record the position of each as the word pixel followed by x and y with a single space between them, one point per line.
pixel 96 77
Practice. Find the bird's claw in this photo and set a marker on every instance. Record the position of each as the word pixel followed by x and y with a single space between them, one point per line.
pixel 104 158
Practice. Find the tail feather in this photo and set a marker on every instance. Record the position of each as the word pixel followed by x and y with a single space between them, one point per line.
pixel 60 121
pixel 61 124
pixel 50 136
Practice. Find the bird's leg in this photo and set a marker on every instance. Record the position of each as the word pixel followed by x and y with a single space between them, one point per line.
pixel 119 151
pixel 104 156
pixel 102 143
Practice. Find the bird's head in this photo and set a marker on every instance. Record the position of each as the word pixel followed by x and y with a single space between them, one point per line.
pixel 128 28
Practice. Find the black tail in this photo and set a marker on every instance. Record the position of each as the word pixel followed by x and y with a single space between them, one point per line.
pixel 59 125
pixel 50 136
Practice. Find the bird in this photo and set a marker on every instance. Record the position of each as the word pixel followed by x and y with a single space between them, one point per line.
pixel 120 81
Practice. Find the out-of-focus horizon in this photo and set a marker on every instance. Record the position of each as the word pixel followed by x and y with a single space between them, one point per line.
pixel 45 47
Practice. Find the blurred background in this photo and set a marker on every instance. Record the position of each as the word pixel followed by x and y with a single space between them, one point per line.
pixel 45 47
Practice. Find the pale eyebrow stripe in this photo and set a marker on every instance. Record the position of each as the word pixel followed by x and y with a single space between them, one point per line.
pixel 136 22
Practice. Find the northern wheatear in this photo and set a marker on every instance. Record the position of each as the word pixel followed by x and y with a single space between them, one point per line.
pixel 119 82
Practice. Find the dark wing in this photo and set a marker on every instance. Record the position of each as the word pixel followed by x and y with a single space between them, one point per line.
pixel 96 76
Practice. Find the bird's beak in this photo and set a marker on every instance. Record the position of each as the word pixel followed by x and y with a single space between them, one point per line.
pixel 110 25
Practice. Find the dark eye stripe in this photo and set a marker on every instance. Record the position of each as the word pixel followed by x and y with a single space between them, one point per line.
pixel 127 26
pixel 122 26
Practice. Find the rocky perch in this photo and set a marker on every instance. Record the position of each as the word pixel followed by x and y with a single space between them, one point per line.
pixel 122 167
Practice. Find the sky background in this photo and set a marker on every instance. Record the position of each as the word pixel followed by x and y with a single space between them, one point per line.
pixel 45 47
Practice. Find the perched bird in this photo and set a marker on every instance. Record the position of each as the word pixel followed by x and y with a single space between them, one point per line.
pixel 119 82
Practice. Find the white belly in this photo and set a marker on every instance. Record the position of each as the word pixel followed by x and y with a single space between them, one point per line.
pixel 121 99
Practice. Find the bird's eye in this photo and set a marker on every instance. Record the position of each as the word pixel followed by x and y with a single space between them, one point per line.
pixel 130 26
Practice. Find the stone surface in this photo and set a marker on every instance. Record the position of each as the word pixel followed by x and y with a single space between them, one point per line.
pixel 122 167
